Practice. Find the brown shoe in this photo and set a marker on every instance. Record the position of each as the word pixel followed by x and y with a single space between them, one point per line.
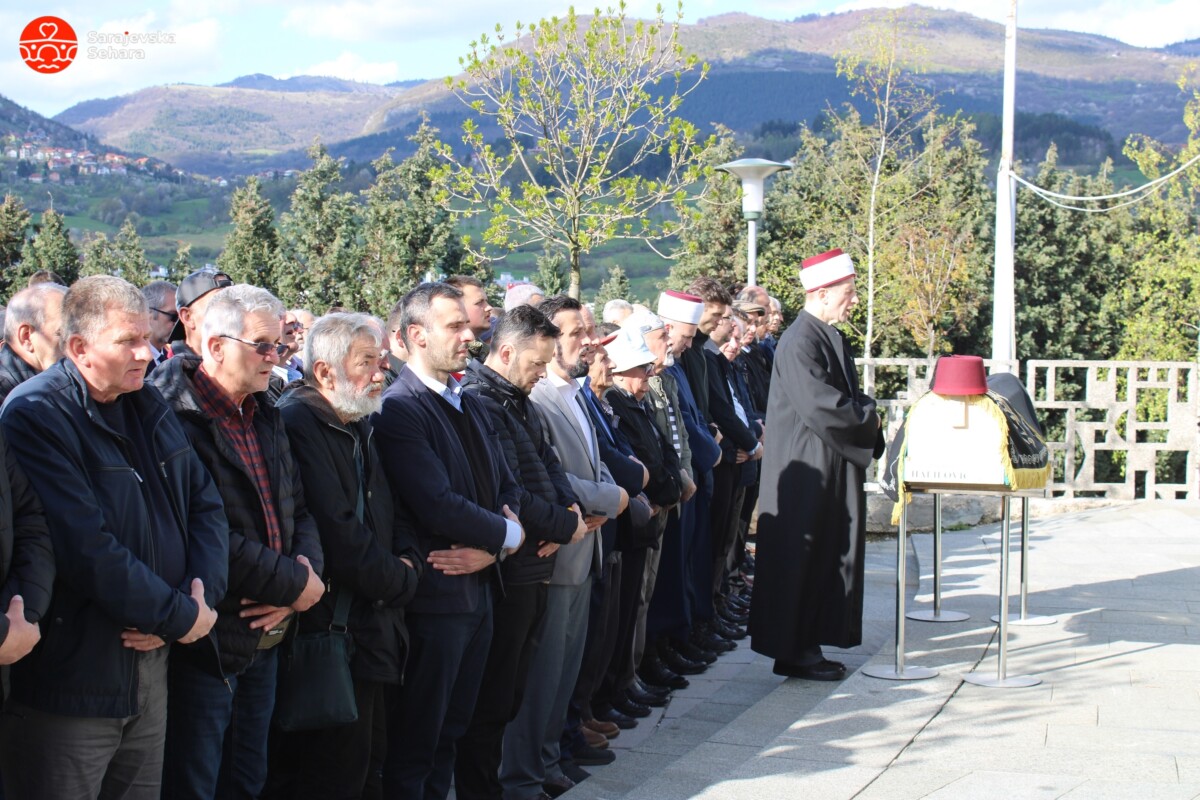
pixel 594 739
pixel 608 730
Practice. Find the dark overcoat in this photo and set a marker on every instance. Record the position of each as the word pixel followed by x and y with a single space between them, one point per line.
pixel 812 507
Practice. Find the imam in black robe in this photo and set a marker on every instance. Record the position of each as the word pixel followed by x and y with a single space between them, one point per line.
pixel 812 508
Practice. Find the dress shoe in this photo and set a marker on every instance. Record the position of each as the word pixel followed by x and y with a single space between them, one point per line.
pixel 737 602
pixel 574 771
pixel 731 632
pixel 591 757
pixel 655 691
pixel 823 670
pixel 707 640
pixel 622 721
pixel 636 695
pixel 594 739
pixel 557 786
pixel 630 707
pixel 679 663
pixel 693 652
pixel 655 672
pixel 608 730
pixel 733 616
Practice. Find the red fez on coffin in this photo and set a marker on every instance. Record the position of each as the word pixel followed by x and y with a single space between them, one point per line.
pixel 959 375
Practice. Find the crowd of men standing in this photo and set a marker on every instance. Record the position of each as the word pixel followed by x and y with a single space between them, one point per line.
pixel 533 525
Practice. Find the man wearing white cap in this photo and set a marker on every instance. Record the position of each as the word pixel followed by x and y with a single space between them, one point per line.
pixel 683 596
pixel 812 507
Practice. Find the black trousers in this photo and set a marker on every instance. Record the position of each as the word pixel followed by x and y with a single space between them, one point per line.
pixel 621 667
pixel 726 517
pixel 344 762
pixel 601 636
pixel 517 632
pixel 446 656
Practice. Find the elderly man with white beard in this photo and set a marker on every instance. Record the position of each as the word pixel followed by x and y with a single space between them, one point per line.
pixel 371 559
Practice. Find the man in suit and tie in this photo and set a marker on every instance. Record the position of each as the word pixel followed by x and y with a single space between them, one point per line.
pixel 552 675
pixel 443 462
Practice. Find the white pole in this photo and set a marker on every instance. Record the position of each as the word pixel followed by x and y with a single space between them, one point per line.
pixel 752 253
pixel 1004 345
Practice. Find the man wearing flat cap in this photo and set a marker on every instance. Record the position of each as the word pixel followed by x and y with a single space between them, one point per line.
pixel 812 506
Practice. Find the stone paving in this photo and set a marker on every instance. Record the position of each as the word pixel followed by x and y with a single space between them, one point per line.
pixel 1117 714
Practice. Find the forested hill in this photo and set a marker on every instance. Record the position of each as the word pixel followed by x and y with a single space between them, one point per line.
pixel 761 70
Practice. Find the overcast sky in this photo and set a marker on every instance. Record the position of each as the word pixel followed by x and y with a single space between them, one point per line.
pixel 387 40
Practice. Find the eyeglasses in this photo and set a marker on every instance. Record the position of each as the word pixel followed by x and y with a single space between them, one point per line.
pixel 171 315
pixel 263 349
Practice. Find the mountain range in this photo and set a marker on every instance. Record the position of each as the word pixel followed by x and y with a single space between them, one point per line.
pixel 760 70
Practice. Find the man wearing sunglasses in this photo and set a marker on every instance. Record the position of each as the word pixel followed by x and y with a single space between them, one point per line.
pixel 160 298
pixel 275 555
pixel 193 297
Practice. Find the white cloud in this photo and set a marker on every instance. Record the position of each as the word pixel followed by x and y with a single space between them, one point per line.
pixel 412 20
pixel 190 58
pixel 1151 23
pixel 352 66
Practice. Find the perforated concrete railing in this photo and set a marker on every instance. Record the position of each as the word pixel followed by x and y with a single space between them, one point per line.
pixel 1116 429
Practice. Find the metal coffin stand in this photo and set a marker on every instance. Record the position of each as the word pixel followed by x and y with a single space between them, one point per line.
pixel 901 672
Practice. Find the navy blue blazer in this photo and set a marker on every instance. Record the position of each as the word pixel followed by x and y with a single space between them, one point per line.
pixel 429 472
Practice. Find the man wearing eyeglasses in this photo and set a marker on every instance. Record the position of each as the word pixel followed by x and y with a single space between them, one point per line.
pixel 275 555
pixel 191 300
pixel 160 297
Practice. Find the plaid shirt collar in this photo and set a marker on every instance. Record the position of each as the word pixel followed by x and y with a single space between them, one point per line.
pixel 219 405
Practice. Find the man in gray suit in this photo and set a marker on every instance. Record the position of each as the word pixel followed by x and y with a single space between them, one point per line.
pixel 531 741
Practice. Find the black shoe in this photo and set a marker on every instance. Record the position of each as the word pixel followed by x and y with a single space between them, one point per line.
pixel 591 757
pixel 732 616
pixel 707 640
pixel 737 603
pixel 622 721
pixel 655 672
pixel 654 691
pixel 630 707
pixel 693 652
pixel 637 696
pixel 573 771
pixel 731 632
pixel 557 786
pixel 821 671
pixel 679 663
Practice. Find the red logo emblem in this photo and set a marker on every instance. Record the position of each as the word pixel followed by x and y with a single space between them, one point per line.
pixel 48 44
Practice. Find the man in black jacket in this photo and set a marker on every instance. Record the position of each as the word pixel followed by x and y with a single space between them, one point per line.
pixel 370 554
pixel 31 330
pixel 26 561
pixel 522 346
pixel 275 554
pixel 140 548
pixel 443 461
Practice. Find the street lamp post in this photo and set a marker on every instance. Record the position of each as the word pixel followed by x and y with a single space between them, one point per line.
pixel 753 173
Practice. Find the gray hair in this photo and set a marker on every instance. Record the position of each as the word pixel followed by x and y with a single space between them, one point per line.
pixel 519 295
pixel 156 293
pixel 414 307
pixel 87 303
pixel 28 307
pixel 332 336
pixel 227 311
pixel 613 309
